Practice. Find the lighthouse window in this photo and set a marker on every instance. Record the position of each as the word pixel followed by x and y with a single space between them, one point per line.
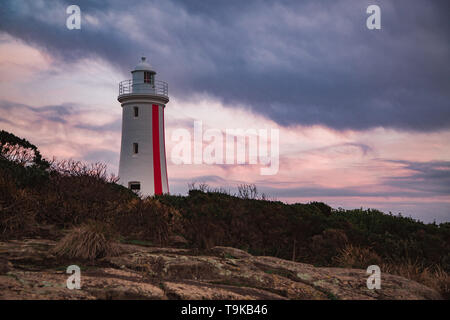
pixel 147 77
pixel 135 148
pixel 136 112
pixel 135 186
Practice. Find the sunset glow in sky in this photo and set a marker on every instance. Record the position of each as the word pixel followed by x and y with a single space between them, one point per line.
pixel 363 115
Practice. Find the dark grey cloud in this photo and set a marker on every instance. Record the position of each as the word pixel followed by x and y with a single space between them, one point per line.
pixel 326 192
pixel 364 148
pixel 426 178
pixel 297 62
pixel 54 113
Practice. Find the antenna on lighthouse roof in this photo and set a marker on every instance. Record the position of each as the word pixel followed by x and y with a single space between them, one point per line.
pixel 143 59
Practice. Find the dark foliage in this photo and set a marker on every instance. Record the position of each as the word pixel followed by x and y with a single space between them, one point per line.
pixel 309 232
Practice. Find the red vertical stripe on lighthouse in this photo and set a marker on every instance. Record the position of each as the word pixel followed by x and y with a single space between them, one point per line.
pixel 156 153
pixel 164 141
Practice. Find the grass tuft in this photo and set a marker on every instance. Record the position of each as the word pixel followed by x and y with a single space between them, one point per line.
pixel 433 276
pixel 88 242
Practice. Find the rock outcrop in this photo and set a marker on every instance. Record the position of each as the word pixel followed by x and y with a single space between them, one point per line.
pixel 29 271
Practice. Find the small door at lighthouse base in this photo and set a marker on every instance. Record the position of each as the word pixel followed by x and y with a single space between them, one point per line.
pixel 134 185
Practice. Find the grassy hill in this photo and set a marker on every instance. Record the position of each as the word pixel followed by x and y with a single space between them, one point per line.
pixel 41 198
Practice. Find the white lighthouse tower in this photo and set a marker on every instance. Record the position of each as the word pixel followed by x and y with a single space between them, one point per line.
pixel 142 154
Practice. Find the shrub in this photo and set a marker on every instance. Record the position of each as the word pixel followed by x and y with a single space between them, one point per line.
pixel 353 256
pixel 17 150
pixel 324 208
pixel 88 242
pixel 77 192
pixel 148 219
pixel 327 244
pixel 23 160
pixel 17 209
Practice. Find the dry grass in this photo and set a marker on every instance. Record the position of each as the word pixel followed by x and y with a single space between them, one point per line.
pixel 356 257
pixel 88 242
pixel 434 277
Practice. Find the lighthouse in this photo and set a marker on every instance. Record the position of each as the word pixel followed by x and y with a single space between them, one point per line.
pixel 142 165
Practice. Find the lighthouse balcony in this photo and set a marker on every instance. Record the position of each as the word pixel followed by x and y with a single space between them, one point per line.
pixel 156 87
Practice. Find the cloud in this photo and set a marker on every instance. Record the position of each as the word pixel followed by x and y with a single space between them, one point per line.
pixel 64 131
pixel 102 155
pixel 425 178
pixel 343 148
pixel 201 179
pixel 114 126
pixel 414 180
pixel 309 62
pixel 55 114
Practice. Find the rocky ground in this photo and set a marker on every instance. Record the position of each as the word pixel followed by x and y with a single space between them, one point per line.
pixel 29 271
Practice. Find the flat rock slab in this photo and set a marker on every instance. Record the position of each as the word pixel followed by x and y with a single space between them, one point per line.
pixel 29 271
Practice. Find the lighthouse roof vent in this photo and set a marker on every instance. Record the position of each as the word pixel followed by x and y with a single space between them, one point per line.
pixel 143 66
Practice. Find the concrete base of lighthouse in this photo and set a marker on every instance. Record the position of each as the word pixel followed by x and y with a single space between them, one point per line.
pixel 143 156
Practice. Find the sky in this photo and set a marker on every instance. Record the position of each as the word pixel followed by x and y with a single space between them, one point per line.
pixel 363 115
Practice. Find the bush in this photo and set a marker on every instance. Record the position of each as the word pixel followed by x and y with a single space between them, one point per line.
pixel 88 242
pixel 23 160
pixel 147 219
pixel 17 209
pixel 77 192
pixel 356 257
pixel 328 244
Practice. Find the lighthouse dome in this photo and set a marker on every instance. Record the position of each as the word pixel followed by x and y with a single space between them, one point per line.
pixel 143 66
